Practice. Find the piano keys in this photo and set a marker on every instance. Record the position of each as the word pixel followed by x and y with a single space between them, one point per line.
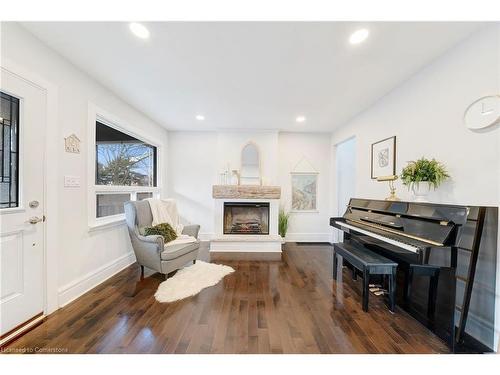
pixel 380 235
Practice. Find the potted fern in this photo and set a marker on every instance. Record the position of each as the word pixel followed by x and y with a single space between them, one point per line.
pixel 421 174
pixel 283 221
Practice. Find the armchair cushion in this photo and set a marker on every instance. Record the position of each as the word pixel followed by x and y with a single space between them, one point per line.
pixel 175 251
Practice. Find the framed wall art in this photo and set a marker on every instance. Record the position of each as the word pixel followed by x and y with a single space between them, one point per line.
pixel 383 158
pixel 304 192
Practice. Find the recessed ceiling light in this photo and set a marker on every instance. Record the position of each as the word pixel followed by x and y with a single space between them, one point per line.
pixel 359 36
pixel 300 119
pixel 139 30
pixel 200 117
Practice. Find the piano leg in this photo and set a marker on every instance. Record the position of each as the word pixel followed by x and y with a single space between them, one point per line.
pixel 335 265
pixel 392 290
pixel 366 289
pixel 431 302
pixel 408 282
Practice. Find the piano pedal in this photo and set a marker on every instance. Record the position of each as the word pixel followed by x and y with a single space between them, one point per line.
pixel 374 290
pixel 374 285
pixel 380 292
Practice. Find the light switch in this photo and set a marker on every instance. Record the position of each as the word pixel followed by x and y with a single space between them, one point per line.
pixel 71 181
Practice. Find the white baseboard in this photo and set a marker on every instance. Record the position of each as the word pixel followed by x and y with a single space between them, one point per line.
pixel 308 237
pixel 76 288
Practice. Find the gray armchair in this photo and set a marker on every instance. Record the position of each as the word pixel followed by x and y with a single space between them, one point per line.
pixel 149 250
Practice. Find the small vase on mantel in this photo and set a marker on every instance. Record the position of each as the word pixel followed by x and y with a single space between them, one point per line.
pixel 421 191
pixel 235 177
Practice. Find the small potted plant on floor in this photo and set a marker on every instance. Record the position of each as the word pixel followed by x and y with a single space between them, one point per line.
pixel 421 174
pixel 283 221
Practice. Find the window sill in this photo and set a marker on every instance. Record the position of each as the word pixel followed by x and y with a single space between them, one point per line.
pixel 106 223
pixel 125 189
pixel 12 210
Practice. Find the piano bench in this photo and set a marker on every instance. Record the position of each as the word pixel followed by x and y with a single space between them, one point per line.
pixel 368 263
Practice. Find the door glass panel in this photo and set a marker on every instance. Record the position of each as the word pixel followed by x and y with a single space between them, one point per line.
pixel 9 145
pixel 111 204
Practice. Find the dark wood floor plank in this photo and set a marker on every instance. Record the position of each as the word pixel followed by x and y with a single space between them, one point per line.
pixel 287 306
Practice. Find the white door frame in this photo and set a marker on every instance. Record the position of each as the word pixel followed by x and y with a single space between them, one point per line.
pixel 334 198
pixel 496 339
pixel 52 147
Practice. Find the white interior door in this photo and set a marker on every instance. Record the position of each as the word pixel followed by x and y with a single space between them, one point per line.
pixel 23 125
pixel 345 176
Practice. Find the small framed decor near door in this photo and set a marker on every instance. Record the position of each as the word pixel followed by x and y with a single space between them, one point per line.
pixel 384 158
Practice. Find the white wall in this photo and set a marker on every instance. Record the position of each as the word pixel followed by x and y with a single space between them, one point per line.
pixel 197 158
pixel 192 166
pixel 85 258
pixel 230 144
pixel 312 151
pixel 425 113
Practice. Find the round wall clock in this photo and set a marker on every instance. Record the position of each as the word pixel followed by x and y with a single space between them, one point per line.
pixel 483 112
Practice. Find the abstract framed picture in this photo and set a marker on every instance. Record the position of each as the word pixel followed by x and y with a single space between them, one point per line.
pixel 384 158
pixel 304 192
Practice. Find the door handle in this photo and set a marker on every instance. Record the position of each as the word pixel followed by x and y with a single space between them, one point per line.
pixel 36 219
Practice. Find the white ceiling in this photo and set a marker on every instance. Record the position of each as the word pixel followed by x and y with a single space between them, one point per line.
pixel 252 75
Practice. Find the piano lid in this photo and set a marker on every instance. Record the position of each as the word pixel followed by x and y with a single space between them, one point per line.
pixel 430 223
pixel 426 211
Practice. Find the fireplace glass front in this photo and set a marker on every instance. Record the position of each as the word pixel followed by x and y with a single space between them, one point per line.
pixel 246 218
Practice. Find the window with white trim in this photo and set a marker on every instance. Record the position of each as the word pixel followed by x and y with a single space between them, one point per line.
pixel 125 169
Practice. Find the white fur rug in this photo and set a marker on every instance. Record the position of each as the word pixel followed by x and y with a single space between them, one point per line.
pixel 191 280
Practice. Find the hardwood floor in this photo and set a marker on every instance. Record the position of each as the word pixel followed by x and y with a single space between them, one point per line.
pixel 292 306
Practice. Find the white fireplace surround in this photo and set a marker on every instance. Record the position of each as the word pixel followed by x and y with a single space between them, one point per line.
pixel 252 245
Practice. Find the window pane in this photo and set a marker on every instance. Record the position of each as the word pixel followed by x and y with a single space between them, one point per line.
pixel 13 126
pixel 9 144
pixel 4 194
pixel 141 196
pixel 122 160
pixel 111 204
pixel 13 182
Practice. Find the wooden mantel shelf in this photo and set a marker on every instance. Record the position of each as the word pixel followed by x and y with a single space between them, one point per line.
pixel 246 192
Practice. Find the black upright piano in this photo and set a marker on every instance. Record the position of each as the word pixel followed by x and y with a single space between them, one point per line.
pixel 423 239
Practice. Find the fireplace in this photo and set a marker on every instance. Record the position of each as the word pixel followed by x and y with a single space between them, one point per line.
pixel 246 218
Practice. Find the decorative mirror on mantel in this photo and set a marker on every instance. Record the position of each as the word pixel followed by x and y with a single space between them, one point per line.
pixel 250 165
